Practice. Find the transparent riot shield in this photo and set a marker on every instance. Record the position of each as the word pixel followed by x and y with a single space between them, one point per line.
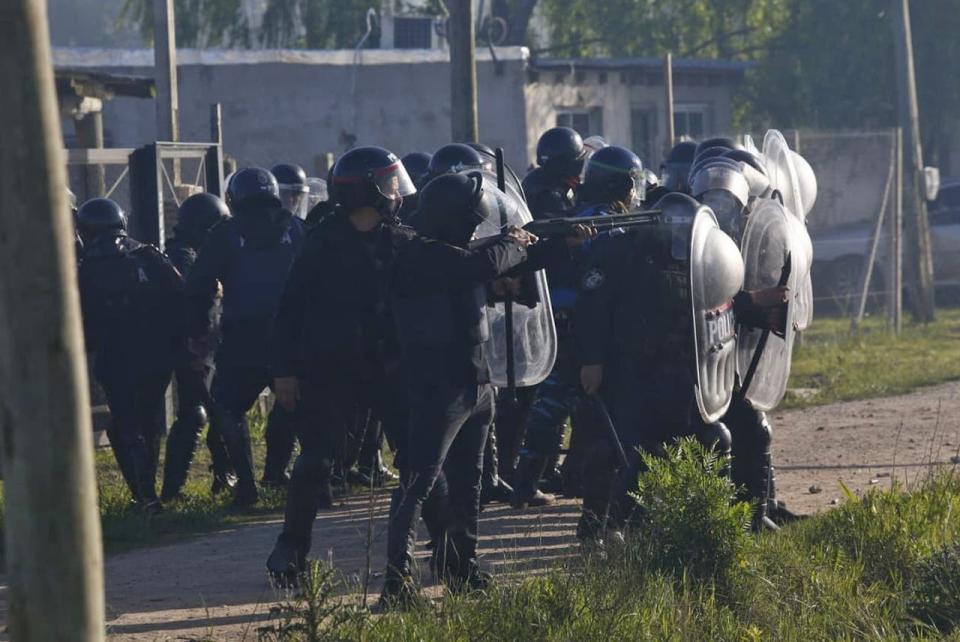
pixel 770 253
pixel 534 333
pixel 716 275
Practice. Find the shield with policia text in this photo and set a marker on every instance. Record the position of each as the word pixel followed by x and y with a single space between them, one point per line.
pixel 716 276
pixel 534 333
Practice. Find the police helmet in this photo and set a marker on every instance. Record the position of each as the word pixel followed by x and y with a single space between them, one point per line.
pixel 370 177
pixel 253 185
pixel 717 141
pixel 294 190
pixel 200 212
pixel 100 216
pixel 676 167
pixel 560 151
pixel 453 158
pixel 451 207
pixel 612 172
pixel 417 165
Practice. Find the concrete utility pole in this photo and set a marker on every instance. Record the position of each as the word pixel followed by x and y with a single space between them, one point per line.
pixel 671 138
pixel 165 71
pixel 920 256
pixel 463 72
pixel 53 548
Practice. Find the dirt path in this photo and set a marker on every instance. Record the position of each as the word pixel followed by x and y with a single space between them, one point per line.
pixel 216 584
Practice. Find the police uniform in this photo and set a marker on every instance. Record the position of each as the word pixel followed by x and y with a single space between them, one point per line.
pixel 251 257
pixel 131 297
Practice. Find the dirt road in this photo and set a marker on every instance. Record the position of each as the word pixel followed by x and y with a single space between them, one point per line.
pixel 216 583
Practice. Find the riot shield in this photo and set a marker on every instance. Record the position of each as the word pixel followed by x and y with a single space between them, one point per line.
pixel 783 173
pixel 534 333
pixel 716 275
pixel 769 252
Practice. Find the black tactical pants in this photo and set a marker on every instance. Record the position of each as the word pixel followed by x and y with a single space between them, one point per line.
pixel 751 467
pixel 137 427
pixel 448 430
pixel 194 406
pixel 235 390
pixel 324 418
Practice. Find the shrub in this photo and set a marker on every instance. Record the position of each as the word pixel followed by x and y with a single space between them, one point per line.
pixel 935 590
pixel 691 523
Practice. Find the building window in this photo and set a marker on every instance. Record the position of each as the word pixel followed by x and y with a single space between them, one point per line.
pixel 690 119
pixel 412 33
pixel 643 134
pixel 587 122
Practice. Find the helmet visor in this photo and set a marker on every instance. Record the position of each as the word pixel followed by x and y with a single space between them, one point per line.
pixel 393 182
pixel 294 198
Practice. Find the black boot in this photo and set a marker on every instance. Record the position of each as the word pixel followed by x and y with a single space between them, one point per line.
pixel 399 588
pixel 237 441
pixel 280 439
pixel 460 570
pixel 526 492
pixel 181 445
pixel 220 467
pixel 287 562
pixel 492 488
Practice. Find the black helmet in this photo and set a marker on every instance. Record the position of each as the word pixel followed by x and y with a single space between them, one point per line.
pixel 370 177
pixel 560 151
pixel 451 207
pixel 251 185
pixel 485 150
pixel 676 167
pixel 454 158
pixel 417 165
pixel 100 216
pixel 717 141
pixel 293 187
pixel 199 213
pixel 611 173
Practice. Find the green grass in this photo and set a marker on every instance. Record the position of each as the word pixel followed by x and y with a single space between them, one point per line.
pixel 879 568
pixel 839 365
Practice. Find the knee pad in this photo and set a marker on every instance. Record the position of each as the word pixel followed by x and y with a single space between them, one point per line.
pixel 195 415
pixel 715 436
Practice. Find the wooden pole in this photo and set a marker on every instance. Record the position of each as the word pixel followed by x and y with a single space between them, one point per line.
pixel 918 230
pixel 89 128
pixel 52 530
pixel 897 237
pixel 463 72
pixel 216 123
pixel 165 71
pixel 668 102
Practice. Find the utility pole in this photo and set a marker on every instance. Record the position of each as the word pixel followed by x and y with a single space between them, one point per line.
pixel 920 257
pixel 463 72
pixel 668 98
pixel 54 553
pixel 165 71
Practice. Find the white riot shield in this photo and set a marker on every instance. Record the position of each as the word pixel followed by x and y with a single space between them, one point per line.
pixel 768 243
pixel 534 333
pixel 716 275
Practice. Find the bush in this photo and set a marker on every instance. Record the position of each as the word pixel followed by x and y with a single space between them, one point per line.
pixel 935 590
pixel 691 523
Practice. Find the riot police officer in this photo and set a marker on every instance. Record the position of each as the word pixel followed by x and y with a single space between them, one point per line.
pixel 335 347
pixel 633 331
pixel 250 255
pixel 675 170
pixel 454 158
pixel 439 301
pixel 613 183
pixel 294 191
pixel 132 298
pixel 196 216
pixel 551 186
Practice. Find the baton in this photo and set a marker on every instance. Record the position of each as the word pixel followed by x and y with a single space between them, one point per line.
pixel 765 335
pixel 601 409
pixel 508 302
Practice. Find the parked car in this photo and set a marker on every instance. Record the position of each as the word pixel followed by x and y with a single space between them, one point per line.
pixel 839 254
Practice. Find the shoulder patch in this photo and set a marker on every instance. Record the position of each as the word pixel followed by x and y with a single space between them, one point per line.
pixel 593 279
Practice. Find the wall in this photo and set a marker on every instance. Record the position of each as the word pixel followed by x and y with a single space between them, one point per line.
pixel 293 106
